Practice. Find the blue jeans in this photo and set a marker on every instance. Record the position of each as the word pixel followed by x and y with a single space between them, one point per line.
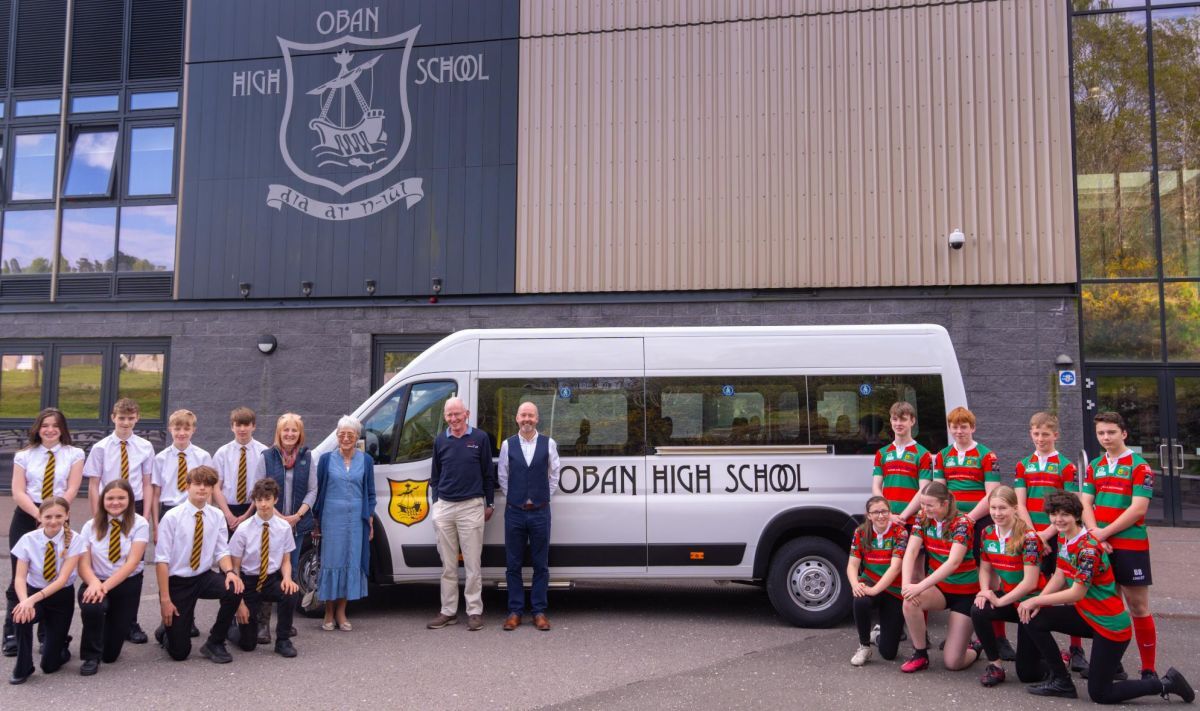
pixel 527 530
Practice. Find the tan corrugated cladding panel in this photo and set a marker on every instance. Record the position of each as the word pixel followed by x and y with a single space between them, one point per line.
pixel 831 149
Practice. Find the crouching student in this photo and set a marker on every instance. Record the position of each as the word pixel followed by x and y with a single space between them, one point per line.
pixel 192 537
pixel 260 549
pixel 876 554
pixel 951 580
pixel 112 571
pixel 1009 571
pixel 1082 599
pixel 45 587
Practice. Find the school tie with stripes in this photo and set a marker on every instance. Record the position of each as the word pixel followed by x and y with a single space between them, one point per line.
pixel 124 461
pixel 181 472
pixel 50 563
pixel 114 541
pixel 48 477
pixel 241 487
pixel 197 540
pixel 264 556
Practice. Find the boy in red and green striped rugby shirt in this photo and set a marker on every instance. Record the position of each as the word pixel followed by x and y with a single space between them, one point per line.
pixel 1082 599
pixel 970 471
pixel 1037 476
pixel 1116 495
pixel 903 468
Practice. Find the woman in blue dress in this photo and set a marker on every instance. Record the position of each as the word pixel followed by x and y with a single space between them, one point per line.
pixel 344 507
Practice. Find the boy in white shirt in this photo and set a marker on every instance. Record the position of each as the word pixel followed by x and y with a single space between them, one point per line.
pixel 237 465
pixel 169 486
pixel 261 549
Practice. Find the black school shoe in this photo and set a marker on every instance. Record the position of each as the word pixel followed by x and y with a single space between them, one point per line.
pixel 136 634
pixel 89 667
pixel 1174 683
pixel 14 679
pixel 1078 661
pixel 1061 687
pixel 10 646
pixel 285 648
pixel 194 632
pixel 1007 653
pixel 216 652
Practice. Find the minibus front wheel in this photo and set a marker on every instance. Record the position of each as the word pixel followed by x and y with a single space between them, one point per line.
pixel 806 584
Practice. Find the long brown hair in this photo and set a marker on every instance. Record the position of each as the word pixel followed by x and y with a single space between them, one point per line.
pixel 1016 539
pixel 101 519
pixel 941 492
pixel 864 530
pixel 35 434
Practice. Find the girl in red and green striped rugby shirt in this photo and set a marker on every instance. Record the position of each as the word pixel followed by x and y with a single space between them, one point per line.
pixel 1009 571
pixel 1082 599
pixel 950 583
pixel 874 567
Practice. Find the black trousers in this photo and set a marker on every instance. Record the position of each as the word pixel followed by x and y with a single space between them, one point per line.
pixel 1106 655
pixel 21 524
pixel 54 615
pixel 891 621
pixel 184 593
pixel 106 623
pixel 271 592
pixel 1030 667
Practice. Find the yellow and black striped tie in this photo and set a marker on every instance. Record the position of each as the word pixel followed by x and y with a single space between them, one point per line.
pixel 124 461
pixel 264 556
pixel 241 487
pixel 50 563
pixel 114 541
pixel 181 472
pixel 48 477
pixel 197 540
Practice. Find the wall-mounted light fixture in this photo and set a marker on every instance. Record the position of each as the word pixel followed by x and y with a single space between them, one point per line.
pixel 267 344
pixel 370 287
pixel 1064 362
pixel 306 288
pixel 244 289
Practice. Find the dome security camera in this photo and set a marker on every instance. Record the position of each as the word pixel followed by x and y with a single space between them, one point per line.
pixel 957 239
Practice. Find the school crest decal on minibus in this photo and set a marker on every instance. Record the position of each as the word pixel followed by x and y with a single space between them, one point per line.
pixel 346 122
pixel 410 501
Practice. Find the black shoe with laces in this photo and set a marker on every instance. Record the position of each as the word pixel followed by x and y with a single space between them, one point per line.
pixel 1174 683
pixel 1007 653
pixel 216 652
pixel 1061 687
pixel 89 667
pixel 1078 661
pixel 136 634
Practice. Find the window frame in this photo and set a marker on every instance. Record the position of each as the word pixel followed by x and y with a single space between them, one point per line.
pixel 382 344
pixel 10 164
pixel 76 130
pixel 132 125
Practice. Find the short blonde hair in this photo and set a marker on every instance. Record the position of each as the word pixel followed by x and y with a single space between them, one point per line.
pixel 288 418
pixel 903 409
pixel 1043 420
pixel 182 417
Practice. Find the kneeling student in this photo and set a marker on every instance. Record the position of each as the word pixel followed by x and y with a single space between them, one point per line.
pixel 260 549
pixel 1010 550
pixel 192 537
pixel 45 586
pixel 876 554
pixel 1082 599
pixel 116 539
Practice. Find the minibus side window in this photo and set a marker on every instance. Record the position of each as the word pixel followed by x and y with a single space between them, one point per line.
pixel 423 419
pixel 727 411
pixel 587 417
pixel 851 411
pixel 379 426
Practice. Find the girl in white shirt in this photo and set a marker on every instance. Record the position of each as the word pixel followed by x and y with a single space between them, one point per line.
pixel 112 571
pixel 45 584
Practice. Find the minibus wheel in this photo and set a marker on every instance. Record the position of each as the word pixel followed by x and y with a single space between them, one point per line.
pixel 307 577
pixel 806 584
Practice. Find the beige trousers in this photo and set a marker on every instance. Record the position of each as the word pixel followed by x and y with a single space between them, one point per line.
pixel 459 526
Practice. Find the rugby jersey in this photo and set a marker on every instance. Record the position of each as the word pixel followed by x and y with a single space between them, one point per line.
pixel 902 471
pixel 1010 567
pixel 1083 562
pixel 1040 480
pixel 938 539
pixel 1114 488
pixel 877 551
pixel 966 472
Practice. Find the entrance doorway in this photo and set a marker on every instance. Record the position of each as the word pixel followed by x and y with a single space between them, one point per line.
pixel 1161 407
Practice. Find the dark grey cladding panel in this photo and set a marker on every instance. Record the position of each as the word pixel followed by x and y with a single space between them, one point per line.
pixel 457 167
pixel 222 30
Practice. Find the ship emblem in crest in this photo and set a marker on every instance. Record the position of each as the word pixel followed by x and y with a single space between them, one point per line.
pixel 410 501
pixel 342 142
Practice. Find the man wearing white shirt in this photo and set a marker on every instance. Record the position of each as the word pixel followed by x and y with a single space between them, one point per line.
pixel 528 471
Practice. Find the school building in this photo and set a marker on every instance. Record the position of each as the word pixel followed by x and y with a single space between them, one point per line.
pixel 277 203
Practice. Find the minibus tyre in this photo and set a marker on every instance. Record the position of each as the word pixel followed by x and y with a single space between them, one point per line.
pixel 307 577
pixel 806 582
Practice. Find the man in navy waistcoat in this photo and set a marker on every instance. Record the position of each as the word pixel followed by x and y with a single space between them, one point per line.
pixel 528 472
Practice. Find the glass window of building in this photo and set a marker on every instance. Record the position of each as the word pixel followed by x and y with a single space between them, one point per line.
pixel 27 242
pixel 95 104
pixel 88 240
pixel 90 169
pixel 20 385
pixel 1121 322
pixel 154 100
pixel 147 239
pixel 33 166
pixel 38 107
pixel 140 377
pixel 151 160
pixel 79 381
pixel 1176 35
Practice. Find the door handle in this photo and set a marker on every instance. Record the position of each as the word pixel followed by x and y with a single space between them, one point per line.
pixel 1164 459
pixel 1179 458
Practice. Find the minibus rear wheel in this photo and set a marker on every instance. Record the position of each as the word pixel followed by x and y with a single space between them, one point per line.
pixel 806 582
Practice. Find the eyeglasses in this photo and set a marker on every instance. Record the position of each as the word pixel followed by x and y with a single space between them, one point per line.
pixel 884 512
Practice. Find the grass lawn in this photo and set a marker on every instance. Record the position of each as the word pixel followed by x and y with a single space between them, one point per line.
pixel 78 392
